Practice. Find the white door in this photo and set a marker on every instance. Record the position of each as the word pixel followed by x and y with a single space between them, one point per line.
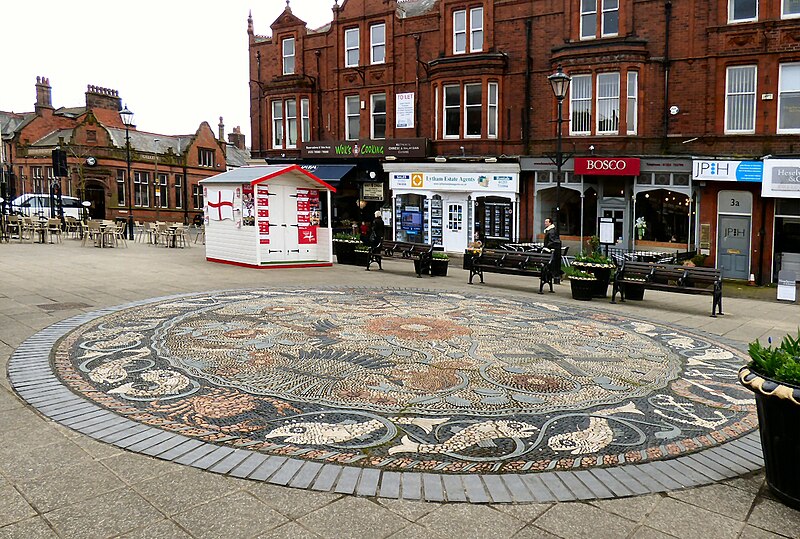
pixel 454 225
pixel 285 220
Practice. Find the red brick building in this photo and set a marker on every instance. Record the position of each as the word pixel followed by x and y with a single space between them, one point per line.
pixel 165 169
pixel 675 114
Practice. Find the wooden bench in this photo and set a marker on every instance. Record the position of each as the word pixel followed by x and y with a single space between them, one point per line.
pixel 513 263
pixel 420 253
pixel 669 278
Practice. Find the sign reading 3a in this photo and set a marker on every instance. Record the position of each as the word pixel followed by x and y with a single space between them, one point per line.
pixel 608 166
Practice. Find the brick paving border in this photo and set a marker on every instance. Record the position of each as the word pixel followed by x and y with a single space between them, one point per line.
pixel 31 374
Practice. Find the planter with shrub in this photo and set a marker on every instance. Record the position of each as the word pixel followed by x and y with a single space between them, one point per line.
pixel 344 246
pixel 582 284
pixel 439 264
pixel 599 266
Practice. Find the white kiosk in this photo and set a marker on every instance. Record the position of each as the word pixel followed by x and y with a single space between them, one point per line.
pixel 267 216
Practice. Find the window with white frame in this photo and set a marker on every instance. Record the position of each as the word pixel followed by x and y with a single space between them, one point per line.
pixel 580 105
pixel 790 9
pixel 631 110
pixel 277 124
pixel 476 29
pixel 205 157
pixel 452 111
pixel 288 56
pixel 50 173
pixel 197 197
pixel 473 110
pixel 179 190
pixel 789 98
pixel 378 116
pixel 742 10
pixel 608 103
pixel 436 110
pixel 122 194
pixel 608 13
pixel 160 195
pixel 740 99
pixel 305 117
pixel 291 123
pixel 351 39
pixel 491 105
pixel 141 189
pixel 460 43
pixel 353 117
pixel 37 179
pixel 377 40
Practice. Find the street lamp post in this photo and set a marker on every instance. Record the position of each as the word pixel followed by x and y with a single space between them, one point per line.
pixel 560 83
pixel 127 119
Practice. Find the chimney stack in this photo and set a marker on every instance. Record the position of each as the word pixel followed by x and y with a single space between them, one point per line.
pixel 44 98
pixel 236 138
pixel 102 98
pixel 221 130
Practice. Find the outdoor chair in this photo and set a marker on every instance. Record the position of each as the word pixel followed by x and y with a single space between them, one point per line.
pixel 14 226
pixel 54 229
pixel 118 232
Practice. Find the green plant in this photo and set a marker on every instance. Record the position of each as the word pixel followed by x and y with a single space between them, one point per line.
pixel 362 249
pixel 571 272
pixel 781 363
pixel 592 258
pixel 343 236
pixel 438 255
pixel 593 243
pixel 699 260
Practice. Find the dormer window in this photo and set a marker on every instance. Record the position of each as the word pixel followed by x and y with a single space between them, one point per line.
pixel 607 11
pixel 377 35
pixel 475 30
pixel 288 56
pixel 742 10
pixel 351 39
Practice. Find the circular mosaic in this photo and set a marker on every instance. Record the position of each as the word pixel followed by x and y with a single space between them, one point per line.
pixel 411 380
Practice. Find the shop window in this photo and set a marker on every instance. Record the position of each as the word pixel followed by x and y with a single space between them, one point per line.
pixel 378 116
pixel 607 11
pixel 789 98
pixel 790 9
pixel 353 114
pixel 377 36
pixel 495 218
pixel 666 215
pixel 141 189
pixel 351 39
pixel 740 99
pixel 742 10
pixel 288 56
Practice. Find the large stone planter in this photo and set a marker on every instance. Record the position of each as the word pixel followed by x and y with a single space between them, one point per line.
pixel 778 407
pixel 602 275
pixel 583 289
pixel 439 267
pixel 345 252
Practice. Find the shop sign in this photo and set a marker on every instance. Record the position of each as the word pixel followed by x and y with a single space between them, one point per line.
pixel 366 149
pixel 781 178
pixel 730 171
pixel 787 285
pixel 607 166
pixel 372 191
pixel 454 181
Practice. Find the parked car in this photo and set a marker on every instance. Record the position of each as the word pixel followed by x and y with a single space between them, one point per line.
pixel 39 204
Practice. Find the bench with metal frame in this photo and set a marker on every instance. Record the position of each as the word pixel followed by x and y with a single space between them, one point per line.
pixel 532 264
pixel 669 278
pixel 420 253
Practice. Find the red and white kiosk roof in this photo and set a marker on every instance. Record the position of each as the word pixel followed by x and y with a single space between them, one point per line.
pixel 264 173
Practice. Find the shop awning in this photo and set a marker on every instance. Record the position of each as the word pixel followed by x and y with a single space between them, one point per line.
pixel 328 173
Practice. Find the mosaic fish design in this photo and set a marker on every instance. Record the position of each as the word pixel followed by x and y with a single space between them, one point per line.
pixel 312 433
pixel 480 434
pixel 165 382
pixel 592 439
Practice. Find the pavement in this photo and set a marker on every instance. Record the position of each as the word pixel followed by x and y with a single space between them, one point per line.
pixel 56 482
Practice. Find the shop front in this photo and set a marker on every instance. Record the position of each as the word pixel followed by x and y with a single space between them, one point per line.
pixel 781 182
pixel 730 222
pixel 450 204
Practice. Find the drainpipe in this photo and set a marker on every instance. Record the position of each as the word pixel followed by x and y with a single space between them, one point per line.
pixel 762 231
pixel 417 39
pixel 260 105
pixel 317 54
pixel 667 21
pixel 526 115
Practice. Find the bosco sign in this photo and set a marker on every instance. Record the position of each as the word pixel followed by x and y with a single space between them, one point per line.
pixel 607 166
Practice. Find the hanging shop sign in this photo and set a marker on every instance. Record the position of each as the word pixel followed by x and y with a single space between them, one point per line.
pixel 366 149
pixel 781 178
pixel 727 171
pixel 372 191
pixel 454 181
pixel 608 166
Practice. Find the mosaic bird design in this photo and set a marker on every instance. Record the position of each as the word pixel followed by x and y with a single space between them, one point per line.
pixel 480 434
pixel 594 438
pixel 164 382
pixel 111 372
pixel 312 433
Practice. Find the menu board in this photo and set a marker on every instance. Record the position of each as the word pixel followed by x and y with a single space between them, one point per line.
pixel 262 198
pixel 308 216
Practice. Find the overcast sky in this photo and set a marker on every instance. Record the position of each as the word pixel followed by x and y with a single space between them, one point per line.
pixel 175 63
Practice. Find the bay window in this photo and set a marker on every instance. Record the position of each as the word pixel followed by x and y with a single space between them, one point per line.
pixel 608 103
pixel 580 105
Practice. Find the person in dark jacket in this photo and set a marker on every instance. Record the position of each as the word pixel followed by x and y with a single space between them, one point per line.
pixel 377 230
pixel 552 242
